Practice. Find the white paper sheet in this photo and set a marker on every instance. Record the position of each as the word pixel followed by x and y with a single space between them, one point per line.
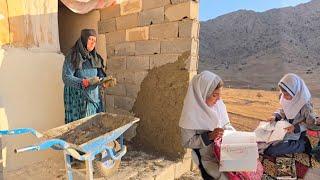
pixel 236 137
pixel 234 165
pixel 239 151
pixel 279 132
pixel 270 132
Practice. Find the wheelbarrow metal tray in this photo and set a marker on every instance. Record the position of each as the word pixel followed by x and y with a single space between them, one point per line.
pixel 92 132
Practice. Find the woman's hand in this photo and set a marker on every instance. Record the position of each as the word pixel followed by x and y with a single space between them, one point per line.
pixel 89 82
pixel 85 83
pixel 289 129
pixel 216 133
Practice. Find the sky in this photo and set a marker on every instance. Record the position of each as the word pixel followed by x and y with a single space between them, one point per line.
pixel 210 9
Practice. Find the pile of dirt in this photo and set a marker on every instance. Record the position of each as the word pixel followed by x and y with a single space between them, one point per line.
pixel 158 105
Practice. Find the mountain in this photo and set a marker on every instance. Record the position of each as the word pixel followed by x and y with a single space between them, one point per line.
pixel 251 49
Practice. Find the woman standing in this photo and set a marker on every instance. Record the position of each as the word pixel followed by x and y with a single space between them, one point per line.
pixel 82 70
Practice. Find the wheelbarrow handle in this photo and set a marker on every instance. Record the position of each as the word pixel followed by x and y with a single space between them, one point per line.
pixel 20 131
pixel 45 145
pixel 29 148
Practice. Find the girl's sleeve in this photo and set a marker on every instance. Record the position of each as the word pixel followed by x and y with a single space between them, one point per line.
pixel 279 114
pixel 190 139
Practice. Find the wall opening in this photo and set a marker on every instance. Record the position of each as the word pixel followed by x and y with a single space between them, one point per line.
pixel 71 24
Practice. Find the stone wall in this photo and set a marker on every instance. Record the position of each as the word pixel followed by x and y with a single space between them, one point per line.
pixel 142 37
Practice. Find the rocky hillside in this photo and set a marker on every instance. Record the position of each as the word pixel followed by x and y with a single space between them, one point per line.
pixel 255 49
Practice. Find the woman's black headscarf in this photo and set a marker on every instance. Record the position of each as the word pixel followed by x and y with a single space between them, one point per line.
pixel 80 54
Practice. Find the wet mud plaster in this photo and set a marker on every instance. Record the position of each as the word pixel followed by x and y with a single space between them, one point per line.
pixel 84 130
pixel 159 105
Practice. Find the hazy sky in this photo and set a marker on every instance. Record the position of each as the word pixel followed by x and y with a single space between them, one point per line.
pixel 210 9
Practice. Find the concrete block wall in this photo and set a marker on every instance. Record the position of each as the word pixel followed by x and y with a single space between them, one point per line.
pixel 142 35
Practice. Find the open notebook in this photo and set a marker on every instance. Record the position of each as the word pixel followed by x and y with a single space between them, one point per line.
pixel 270 132
pixel 239 151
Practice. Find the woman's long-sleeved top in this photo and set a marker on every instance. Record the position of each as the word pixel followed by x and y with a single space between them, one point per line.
pixel 80 102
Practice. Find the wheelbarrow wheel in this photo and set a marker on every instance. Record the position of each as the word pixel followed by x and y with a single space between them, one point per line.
pixel 105 166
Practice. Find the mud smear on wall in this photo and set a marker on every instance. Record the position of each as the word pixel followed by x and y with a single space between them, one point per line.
pixel 159 105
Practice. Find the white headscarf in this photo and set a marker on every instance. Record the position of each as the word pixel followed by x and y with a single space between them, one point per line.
pixel 296 87
pixel 196 114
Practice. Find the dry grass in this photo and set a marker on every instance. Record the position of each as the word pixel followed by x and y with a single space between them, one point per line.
pixel 247 107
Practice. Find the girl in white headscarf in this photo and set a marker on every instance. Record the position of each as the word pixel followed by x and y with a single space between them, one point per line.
pixel 204 118
pixel 297 109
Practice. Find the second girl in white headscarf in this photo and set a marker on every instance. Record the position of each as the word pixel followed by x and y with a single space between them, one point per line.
pixel 297 109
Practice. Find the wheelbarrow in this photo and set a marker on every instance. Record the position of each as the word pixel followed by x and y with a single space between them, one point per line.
pixel 88 139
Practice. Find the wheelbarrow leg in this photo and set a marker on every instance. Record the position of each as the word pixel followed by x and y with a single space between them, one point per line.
pixel 89 170
pixel 68 166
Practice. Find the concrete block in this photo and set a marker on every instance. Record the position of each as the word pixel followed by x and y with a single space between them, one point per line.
pixel 127 21
pixel 106 26
pixel 110 12
pixel 130 6
pixel 117 63
pixel 110 50
pixel 195 47
pixel 137 34
pixel 147 47
pixel 166 174
pixel 179 46
pixel 116 37
pixel 191 74
pixel 101 46
pixel 164 31
pixel 119 90
pixel 151 16
pixel 194 166
pixel 181 1
pixel 162 59
pixel 189 28
pixel 109 101
pixel 124 49
pixel 182 167
pixel 192 63
pixel 137 63
pixel 187 154
pixel 150 4
pixel 135 77
pixel 124 103
pixel 132 90
pixel 118 74
pixel 180 11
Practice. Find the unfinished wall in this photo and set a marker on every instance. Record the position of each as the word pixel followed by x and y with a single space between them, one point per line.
pixel 32 24
pixel 142 37
pixel 4 23
pixel 31 90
